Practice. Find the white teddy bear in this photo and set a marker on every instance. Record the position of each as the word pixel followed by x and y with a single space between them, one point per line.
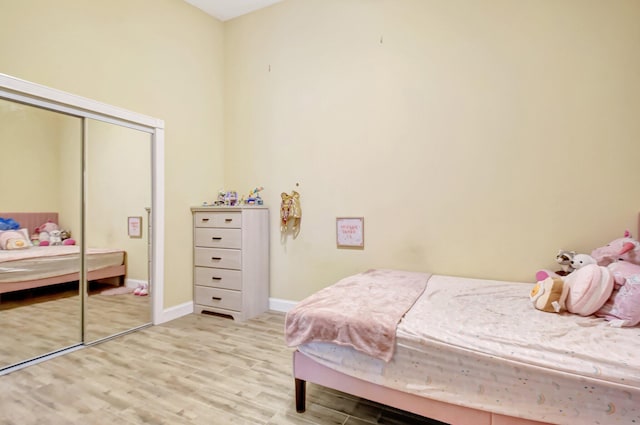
pixel 55 238
pixel 580 260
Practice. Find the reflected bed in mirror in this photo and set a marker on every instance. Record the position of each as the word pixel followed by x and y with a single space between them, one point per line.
pixel 39 266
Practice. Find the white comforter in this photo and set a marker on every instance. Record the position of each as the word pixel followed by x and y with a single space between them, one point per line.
pixel 480 344
pixel 45 261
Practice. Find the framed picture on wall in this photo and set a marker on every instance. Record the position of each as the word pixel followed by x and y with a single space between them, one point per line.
pixel 135 227
pixel 350 232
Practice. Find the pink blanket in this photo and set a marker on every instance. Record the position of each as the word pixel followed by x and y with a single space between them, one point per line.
pixel 360 311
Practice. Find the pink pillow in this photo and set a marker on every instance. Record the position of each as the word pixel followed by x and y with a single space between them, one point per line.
pixel 14 239
pixel 589 289
pixel 623 307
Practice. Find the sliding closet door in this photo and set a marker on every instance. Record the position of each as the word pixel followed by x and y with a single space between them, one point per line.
pixel 117 216
pixel 40 172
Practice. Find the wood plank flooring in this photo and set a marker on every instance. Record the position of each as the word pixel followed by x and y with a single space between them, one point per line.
pixel 198 369
pixel 50 319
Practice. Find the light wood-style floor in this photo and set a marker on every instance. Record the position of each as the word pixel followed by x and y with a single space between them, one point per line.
pixel 32 325
pixel 198 369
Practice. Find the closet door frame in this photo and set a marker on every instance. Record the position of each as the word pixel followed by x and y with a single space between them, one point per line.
pixel 55 100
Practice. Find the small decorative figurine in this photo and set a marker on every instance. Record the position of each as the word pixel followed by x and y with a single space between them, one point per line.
pixel 254 197
pixel 231 198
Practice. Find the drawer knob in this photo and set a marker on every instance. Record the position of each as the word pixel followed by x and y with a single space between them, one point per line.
pixel 205 219
pixel 228 220
pixel 216 298
pixel 216 258
pixel 215 278
pixel 215 238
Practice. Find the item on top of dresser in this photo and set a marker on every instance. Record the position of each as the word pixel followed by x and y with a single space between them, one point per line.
pixel 549 295
pixel 254 197
pixel 290 212
pixel 220 199
pixel 626 248
pixel 231 198
pixel 564 258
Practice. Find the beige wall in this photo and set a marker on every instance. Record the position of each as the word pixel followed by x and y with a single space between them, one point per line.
pixel 30 167
pixel 475 137
pixel 161 58
pixel 118 187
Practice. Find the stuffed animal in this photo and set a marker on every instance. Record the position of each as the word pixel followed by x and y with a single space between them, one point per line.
pixel 54 238
pixel 625 248
pixel 43 238
pixel 44 231
pixel 581 260
pixel 589 289
pixel 47 227
pixel 623 307
pixel 549 295
pixel 564 259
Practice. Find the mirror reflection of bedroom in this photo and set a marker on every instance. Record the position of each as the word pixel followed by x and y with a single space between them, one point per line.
pixel 45 303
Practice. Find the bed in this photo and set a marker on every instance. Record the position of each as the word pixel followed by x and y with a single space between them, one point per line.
pixel 40 266
pixel 467 352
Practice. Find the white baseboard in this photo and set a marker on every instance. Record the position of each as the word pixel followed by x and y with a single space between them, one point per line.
pixel 277 304
pixel 175 312
pixel 134 283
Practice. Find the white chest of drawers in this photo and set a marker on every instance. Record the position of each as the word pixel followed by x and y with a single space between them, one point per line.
pixel 231 260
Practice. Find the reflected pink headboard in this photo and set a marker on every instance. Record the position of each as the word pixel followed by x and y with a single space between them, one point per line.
pixel 31 220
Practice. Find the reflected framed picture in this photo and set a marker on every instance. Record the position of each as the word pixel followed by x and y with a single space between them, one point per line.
pixel 350 232
pixel 134 225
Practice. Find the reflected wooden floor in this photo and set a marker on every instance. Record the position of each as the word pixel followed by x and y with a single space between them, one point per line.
pixel 197 369
pixel 34 325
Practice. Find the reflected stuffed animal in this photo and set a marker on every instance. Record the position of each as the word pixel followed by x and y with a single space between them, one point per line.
pixel 55 238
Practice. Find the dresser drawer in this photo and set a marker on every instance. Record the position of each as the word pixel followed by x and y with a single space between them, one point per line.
pixel 220 278
pixel 218 257
pixel 216 297
pixel 226 219
pixel 218 238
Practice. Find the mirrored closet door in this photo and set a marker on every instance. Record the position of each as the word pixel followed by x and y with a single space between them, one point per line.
pixel 80 194
pixel 40 171
pixel 118 194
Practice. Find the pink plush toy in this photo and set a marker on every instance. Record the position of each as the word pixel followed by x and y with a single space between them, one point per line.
pixel 626 248
pixel 589 289
pixel 623 307
pixel 47 227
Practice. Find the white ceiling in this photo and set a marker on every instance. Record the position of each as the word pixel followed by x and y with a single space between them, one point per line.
pixel 229 9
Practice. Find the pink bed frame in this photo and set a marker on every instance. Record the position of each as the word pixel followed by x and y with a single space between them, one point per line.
pixel 31 220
